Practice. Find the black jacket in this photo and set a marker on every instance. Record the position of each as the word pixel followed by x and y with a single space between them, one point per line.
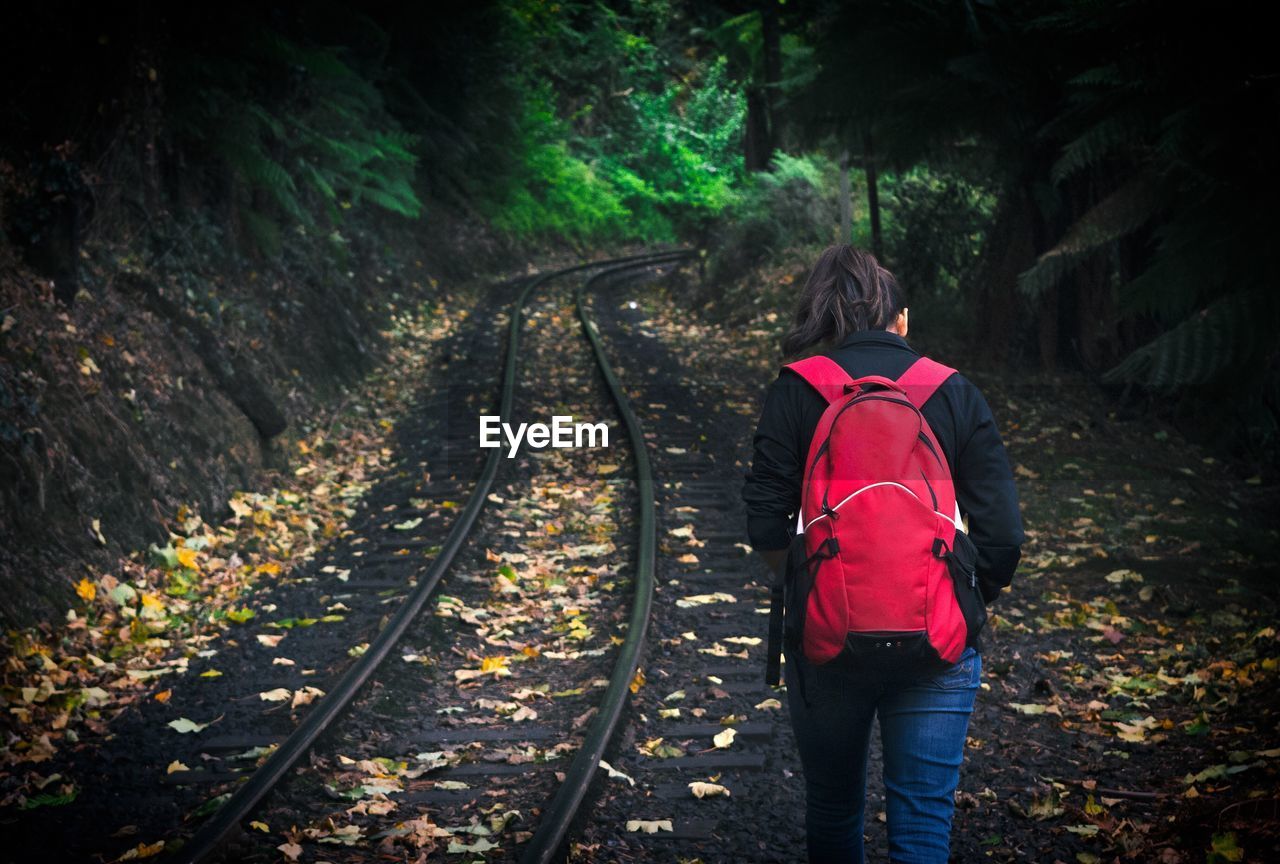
pixel 959 417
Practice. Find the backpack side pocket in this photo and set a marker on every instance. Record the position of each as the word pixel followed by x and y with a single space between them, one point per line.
pixel 962 562
pixel 796 584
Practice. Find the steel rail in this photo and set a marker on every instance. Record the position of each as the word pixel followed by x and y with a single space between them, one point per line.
pixel 549 837
pixel 207 841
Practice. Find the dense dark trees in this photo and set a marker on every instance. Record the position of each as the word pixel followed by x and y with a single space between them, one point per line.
pixel 1123 150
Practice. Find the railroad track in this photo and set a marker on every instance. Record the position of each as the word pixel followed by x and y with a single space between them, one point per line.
pixel 208 841
pixel 705 661
pixel 443 751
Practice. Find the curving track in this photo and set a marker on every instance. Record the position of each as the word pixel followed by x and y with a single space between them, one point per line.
pixel 547 841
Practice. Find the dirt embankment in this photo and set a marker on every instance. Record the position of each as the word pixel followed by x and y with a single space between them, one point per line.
pixel 179 372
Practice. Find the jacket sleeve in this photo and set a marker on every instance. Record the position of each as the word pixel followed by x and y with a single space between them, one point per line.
pixel 772 488
pixel 987 495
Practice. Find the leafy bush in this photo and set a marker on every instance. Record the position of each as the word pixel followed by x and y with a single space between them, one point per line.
pixel 668 166
pixel 934 223
pixel 794 204
pixel 313 138
pixel 552 192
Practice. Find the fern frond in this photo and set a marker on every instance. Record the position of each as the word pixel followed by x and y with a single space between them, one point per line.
pixel 1121 212
pixel 1104 138
pixel 263 230
pixel 1220 338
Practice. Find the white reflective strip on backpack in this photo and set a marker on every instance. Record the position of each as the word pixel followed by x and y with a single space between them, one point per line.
pixel 800 527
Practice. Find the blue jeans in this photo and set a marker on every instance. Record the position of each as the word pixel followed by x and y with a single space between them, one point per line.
pixel 922 733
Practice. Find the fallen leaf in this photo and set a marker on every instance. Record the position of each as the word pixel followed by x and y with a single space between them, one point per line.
pixel 615 773
pixel 305 696
pixel 481 845
pixel 703 599
pixel 725 738
pixel 649 827
pixel 279 694
pixel 1035 708
pixel 707 790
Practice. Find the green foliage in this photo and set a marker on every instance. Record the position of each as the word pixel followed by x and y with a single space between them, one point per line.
pixel 934 225
pixel 322 144
pixel 680 163
pixel 793 204
pixel 621 153
pixel 553 192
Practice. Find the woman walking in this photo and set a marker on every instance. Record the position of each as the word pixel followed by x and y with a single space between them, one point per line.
pixel 853 311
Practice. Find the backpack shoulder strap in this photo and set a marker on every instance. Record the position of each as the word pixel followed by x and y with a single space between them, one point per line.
pixel 824 374
pixel 922 379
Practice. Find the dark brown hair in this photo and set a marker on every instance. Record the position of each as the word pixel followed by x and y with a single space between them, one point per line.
pixel 847 290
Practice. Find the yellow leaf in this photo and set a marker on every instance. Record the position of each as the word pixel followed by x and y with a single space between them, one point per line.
pixel 305 696
pixel 175 765
pixel 638 681
pixel 87 590
pixel 142 850
pixel 210 673
pixel 492 664
pixel 163 696
pixel 606 469
pixel 271 568
pixel 151 601
pixel 707 790
pixel 725 738
pixel 261 826
pixel 187 558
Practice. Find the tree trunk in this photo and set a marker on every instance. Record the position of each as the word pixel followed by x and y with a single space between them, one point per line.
pixel 846 200
pixel 771 35
pixel 1047 326
pixel 997 305
pixel 756 152
pixel 873 195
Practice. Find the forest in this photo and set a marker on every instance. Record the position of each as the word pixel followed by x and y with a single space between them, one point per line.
pixel 243 247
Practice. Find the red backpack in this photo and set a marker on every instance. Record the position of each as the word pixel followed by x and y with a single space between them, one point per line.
pixel 880 573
